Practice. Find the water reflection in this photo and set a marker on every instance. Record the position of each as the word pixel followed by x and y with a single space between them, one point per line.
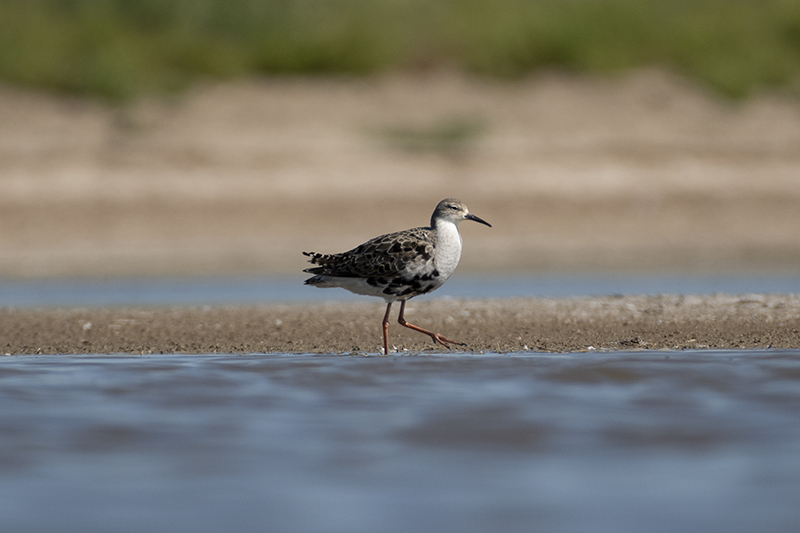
pixel 659 441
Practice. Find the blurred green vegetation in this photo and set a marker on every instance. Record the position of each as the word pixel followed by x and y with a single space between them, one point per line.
pixel 124 48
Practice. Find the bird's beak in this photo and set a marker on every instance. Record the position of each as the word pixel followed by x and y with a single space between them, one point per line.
pixel 470 216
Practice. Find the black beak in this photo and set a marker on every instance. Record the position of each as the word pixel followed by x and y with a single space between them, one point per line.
pixel 470 216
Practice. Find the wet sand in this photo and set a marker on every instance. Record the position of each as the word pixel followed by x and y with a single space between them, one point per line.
pixel 670 322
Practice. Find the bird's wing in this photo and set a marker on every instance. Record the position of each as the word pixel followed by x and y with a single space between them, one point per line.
pixel 387 256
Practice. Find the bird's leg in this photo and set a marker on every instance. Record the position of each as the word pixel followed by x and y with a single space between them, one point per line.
pixel 386 329
pixel 435 336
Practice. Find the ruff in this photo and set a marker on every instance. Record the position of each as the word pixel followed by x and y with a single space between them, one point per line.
pixel 398 266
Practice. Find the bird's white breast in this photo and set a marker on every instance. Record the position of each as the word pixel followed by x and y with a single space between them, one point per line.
pixel 448 249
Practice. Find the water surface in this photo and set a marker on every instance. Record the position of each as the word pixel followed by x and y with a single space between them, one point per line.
pixel 259 290
pixel 616 442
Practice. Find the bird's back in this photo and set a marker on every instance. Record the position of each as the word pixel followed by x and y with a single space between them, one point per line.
pixel 390 255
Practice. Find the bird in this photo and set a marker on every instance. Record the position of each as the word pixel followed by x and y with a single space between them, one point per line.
pixel 399 266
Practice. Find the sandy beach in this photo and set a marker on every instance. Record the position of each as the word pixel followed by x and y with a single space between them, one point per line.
pixel 641 172
pixel 517 325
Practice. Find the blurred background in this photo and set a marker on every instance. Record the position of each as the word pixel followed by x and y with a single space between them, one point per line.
pixel 200 139
pixel 187 151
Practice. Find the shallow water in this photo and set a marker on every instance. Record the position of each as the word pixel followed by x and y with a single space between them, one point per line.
pixel 617 442
pixel 221 290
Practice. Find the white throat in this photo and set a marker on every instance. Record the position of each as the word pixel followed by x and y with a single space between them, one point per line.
pixel 448 248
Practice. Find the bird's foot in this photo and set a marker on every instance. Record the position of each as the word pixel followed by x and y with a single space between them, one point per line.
pixel 441 339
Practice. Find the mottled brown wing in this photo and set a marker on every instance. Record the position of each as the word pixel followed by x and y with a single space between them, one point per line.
pixel 386 256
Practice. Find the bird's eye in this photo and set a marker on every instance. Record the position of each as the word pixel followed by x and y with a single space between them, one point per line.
pixel 453 207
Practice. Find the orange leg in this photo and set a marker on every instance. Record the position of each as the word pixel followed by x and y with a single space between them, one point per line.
pixel 435 336
pixel 386 329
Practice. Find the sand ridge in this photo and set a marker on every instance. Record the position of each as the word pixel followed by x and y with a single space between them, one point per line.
pixel 671 322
